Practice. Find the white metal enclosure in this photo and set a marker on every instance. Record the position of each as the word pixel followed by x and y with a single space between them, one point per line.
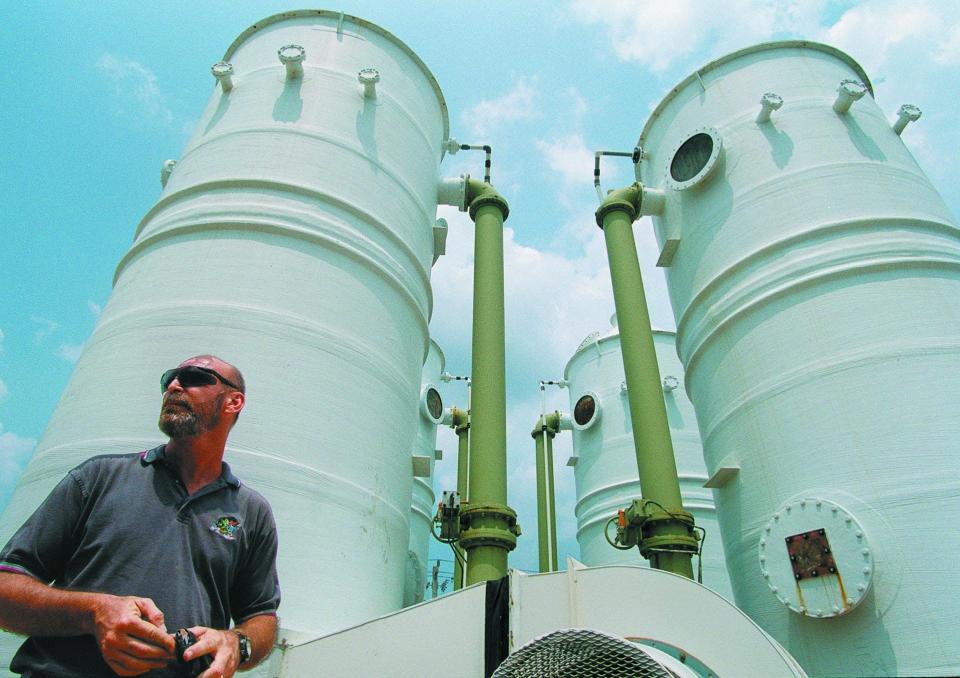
pixel 814 274
pixel 606 463
pixel 294 238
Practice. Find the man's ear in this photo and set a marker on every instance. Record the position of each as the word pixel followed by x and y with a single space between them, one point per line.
pixel 234 402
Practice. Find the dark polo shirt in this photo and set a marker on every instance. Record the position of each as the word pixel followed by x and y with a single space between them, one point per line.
pixel 124 524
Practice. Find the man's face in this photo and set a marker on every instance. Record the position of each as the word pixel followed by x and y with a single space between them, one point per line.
pixel 188 412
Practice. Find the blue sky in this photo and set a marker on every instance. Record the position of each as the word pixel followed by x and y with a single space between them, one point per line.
pixel 97 95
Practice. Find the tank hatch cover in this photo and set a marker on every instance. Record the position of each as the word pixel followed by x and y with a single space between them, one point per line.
pixel 815 558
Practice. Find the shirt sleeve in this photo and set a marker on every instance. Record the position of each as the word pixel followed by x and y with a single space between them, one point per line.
pixel 43 545
pixel 256 588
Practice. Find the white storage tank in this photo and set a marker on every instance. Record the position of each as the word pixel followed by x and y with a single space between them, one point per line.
pixel 605 460
pixel 425 455
pixel 814 274
pixel 294 238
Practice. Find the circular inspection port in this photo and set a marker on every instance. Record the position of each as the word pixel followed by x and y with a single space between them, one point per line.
pixel 695 159
pixel 585 411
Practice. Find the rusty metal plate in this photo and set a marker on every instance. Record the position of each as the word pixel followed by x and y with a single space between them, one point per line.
pixel 810 554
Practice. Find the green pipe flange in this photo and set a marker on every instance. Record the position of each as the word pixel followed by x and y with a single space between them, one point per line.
pixel 480 194
pixel 622 199
pixel 668 542
pixel 502 537
pixel 488 536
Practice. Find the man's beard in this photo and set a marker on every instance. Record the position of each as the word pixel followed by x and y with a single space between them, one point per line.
pixel 179 420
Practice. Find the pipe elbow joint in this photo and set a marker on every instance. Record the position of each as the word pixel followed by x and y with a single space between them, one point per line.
pixel 626 200
pixel 481 194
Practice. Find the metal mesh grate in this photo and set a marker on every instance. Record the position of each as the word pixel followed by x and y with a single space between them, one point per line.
pixel 580 653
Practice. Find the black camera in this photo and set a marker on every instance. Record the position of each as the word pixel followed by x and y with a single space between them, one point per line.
pixel 183 639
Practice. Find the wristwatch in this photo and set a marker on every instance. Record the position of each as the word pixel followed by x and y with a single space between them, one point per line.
pixel 245 648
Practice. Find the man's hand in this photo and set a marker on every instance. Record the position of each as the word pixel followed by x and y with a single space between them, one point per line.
pixel 224 646
pixel 131 634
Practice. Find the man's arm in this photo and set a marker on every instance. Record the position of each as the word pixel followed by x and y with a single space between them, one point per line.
pixel 129 631
pixel 225 645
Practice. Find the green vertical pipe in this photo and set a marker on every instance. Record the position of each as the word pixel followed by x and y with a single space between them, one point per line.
pixel 487 560
pixel 648 413
pixel 551 502
pixel 463 459
pixel 543 498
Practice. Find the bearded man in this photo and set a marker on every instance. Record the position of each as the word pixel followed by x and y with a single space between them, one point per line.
pixel 128 546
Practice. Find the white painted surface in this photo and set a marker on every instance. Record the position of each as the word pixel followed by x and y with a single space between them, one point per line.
pixel 816 289
pixel 293 238
pixel 441 637
pixel 645 604
pixel 423 507
pixel 606 472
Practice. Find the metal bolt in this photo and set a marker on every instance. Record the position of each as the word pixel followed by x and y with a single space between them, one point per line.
pixel 763 542
pixel 865 552
pixel 859 534
pixel 763 559
pixel 819 503
pixel 866 570
pixel 836 608
pixel 819 613
pixel 775 590
pixel 776 516
pixel 849 601
pixel 861 587
pixel 803 503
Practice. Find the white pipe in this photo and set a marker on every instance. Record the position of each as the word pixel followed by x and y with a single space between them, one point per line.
pixel 908 113
pixel 769 102
pixel 223 72
pixel 453 191
pixel 292 56
pixel 848 92
pixel 369 77
pixel 652 201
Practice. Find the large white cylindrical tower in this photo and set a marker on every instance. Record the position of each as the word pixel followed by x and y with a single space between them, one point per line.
pixel 293 238
pixel 425 455
pixel 606 464
pixel 814 274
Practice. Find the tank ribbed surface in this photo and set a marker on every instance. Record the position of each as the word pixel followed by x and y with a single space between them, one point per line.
pixel 423 506
pixel 816 289
pixel 294 239
pixel 606 470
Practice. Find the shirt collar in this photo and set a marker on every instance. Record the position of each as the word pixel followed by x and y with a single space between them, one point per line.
pixel 159 454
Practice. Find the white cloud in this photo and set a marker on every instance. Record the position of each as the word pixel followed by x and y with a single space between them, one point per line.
pixel 135 87
pixel 94 308
pixel 570 158
pixel 491 114
pixel 658 35
pixel 70 352
pixel 15 452
pixel 3 391
pixel 46 328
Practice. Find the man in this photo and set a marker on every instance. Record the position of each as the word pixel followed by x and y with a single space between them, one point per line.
pixel 129 548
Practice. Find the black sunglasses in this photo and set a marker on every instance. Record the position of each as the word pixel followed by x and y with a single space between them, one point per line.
pixel 193 375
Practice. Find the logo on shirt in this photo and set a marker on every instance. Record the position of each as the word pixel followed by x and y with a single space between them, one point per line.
pixel 226 526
